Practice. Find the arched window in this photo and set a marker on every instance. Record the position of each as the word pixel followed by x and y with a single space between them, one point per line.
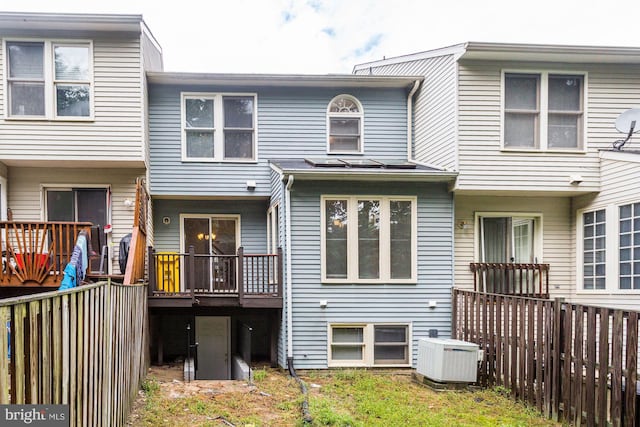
pixel 344 124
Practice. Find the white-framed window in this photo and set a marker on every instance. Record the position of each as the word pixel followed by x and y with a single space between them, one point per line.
pixel 509 237
pixel 543 110
pixel 369 344
pixel 368 239
pixel 608 248
pixel 49 79
pixel 345 118
pixel 273 228
pixel 629 246
pixel 594 246
pixel 218 127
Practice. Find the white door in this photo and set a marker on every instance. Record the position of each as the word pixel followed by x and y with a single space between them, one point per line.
pixel 213 338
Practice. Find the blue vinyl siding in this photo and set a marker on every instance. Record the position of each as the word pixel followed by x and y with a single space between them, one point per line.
pixel 291 124
pixel 394 303
pixel 253 221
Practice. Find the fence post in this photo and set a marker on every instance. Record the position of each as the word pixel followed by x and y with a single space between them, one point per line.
pixel 454 312
pixel 556 392
pixel 152 271
pixel 191 263
pixel 240 275
pixel 280 272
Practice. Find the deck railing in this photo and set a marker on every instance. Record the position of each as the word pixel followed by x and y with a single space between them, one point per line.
pixel 242 275
pixel 511 279
pixel 135 270
pixel 36 253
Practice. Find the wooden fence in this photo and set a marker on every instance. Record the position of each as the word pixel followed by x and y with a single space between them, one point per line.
pixel 85 347
pixel 135 269
pixel 573 362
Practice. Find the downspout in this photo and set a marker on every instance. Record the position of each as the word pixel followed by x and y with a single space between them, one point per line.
pixel 306 415
pixel 287 249
pixel 413 90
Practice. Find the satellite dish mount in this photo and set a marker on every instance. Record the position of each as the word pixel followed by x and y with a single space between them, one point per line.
pixel 629 123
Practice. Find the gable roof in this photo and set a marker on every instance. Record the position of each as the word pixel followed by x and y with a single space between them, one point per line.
pixel 520 52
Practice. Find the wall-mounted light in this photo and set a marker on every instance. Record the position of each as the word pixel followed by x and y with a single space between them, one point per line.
pixel 464 225
pixel 251 185
pixel 128 203
pixel 323 303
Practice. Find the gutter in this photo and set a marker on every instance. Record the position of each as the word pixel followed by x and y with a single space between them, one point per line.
pixel 413 90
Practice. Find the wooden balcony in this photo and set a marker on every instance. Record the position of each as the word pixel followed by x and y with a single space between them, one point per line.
pixel 34 254
pixel 190 279
pixel 530 280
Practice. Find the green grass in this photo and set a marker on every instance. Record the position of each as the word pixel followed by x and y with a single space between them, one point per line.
pixel 341 398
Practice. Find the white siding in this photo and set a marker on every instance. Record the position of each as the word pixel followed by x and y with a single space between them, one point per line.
pixel 116 134
pixel 620 185
pixel 483 166
pixel 434 114
pixel 557 240
pixel 25 197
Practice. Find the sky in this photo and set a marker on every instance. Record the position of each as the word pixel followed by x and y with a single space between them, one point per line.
pixel 331 36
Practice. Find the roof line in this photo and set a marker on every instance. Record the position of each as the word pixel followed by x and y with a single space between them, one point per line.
pixel 443 51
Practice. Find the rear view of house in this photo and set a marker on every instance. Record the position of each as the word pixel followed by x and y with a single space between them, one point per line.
pixel 289 226
pixel 72 137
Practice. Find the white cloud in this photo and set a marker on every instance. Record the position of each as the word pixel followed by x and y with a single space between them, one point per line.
pixel 330 36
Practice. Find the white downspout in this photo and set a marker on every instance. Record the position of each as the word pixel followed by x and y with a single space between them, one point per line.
pixel 289 291
pixel 413 90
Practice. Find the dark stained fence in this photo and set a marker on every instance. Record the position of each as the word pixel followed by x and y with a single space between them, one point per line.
pixel 84 347
pixel 530 280
pixel 575 363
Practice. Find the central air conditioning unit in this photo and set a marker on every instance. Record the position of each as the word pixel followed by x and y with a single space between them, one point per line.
pixel 448 360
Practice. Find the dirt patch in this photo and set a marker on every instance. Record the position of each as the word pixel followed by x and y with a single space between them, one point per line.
pixel 168 400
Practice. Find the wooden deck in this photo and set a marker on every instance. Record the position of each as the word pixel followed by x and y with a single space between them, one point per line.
pixel 196 280
pixel 35 254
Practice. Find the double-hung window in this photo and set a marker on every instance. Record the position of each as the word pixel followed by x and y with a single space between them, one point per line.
pixel 344 124
pixel 368 239
pixel 218 127
pixel 543 111
pixel 49 80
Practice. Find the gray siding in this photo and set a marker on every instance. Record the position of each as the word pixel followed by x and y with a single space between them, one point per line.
pixel 253 221
pixel 116 133
pixel 434 114
pixel 369 303
pixel 291 124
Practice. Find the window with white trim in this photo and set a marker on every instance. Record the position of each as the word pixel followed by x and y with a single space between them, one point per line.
pixel 344 123
pixel 543 111
pixel 368 239
pixel 273 229
pixel 594 249
pixel 629 241
pixel 368 344
pixel 218 127
pixel 47 79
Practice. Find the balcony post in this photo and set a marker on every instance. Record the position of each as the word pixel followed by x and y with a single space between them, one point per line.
pixel 153 286
pixel 240 274
pixel 280 271
pixel 191 271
